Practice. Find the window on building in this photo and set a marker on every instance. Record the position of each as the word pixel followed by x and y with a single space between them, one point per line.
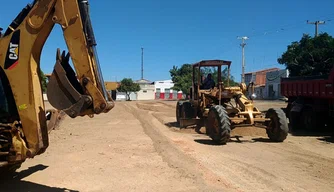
pixel 144 91
pixel 157 90
pixel 167 90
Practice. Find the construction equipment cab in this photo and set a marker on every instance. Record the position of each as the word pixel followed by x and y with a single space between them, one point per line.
pixel 79 92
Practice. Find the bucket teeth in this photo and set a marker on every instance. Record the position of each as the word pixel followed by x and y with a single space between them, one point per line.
pixel 64 91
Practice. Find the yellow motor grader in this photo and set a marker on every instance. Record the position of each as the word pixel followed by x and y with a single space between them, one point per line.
pixel 23 117
pixel 222 108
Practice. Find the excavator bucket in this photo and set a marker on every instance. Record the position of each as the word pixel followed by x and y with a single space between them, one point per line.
pixel 64 91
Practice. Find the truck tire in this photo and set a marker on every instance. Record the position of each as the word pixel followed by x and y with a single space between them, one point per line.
pixel 295 120
pixel 309 120
pixel 287 110
pixel 277 129
pixel 218 125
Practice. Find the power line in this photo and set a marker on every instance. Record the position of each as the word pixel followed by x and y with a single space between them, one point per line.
pixel 286 27
pixel 280 29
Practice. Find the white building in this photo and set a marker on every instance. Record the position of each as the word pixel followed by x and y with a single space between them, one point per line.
pixel 163 90
pixel 122 96
pixel 273 83
pixel 147 89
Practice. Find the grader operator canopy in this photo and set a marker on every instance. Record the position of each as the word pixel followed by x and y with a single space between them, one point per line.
pixel 210 63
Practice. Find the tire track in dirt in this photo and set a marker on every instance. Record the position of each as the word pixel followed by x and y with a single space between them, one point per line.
pixel 252 177
pixel 186 165
pixel 242 174
pixel 157 107
pixel 317 167
pixel 286 166
pixel 235 167
pixel 167 105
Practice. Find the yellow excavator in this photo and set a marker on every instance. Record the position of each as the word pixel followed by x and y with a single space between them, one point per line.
pixel 79 92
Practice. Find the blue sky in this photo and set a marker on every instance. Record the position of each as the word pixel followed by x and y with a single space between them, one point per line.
pixel 175 32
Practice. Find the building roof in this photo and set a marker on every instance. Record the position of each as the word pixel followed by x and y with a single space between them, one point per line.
pixel 164 81
pixel 263 70
pixel 143 81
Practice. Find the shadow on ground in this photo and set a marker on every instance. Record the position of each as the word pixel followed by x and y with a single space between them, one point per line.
pixel 172 124
pixel 206 142
pixel 328 139
pixel 325 135
pixel 15 182
pixel 318 133
pixel 234 139
pixel 175 127
pixel 263 140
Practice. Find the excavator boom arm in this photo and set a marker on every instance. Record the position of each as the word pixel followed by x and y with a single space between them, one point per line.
pixel 77 92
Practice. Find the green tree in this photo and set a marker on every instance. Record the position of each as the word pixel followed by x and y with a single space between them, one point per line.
pixel 309 56
pixel 128 86
pixel 43 81
pixel 182 78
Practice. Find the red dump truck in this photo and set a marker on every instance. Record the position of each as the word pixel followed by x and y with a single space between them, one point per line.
pixel 310 101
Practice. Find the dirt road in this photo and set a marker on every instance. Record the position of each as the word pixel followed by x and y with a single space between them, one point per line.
pixel 136 147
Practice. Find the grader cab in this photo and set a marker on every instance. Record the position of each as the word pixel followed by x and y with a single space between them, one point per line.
pixel 222 108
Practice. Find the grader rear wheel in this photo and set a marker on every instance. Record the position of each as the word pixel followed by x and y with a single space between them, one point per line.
pixel 277 129
pixel 218 125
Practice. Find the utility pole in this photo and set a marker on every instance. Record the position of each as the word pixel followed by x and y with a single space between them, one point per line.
pixel 142 63
pixel 316 23
pixel 243 44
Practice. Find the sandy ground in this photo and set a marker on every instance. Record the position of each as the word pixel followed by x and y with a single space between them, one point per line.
pixel 136 147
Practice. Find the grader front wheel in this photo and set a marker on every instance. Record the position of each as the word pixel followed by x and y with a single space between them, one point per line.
pixel 218 125
pixel 277 128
